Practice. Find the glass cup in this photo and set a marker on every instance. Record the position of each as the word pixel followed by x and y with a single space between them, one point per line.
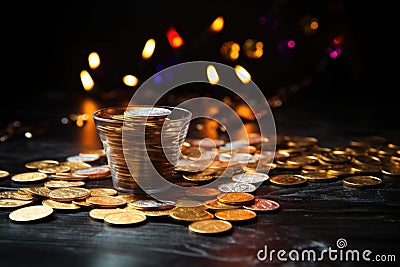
pixel 122 131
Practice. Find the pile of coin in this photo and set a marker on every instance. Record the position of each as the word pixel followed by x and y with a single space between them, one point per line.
pixel 296 162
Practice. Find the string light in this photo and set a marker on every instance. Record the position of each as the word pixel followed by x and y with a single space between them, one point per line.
pixel 87 80
pixel 148 49
pixel 94 60
pixel 217 25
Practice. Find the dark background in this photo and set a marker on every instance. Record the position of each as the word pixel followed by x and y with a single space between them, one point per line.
pixel 46 45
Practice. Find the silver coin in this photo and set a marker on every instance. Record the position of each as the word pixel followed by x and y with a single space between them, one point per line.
pixel 84 158
pixel 152 204
pixel 237 187
pixel 250 177
pixel 148 112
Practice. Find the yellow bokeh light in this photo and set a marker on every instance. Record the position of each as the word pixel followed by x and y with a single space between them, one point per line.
pixel 217 25
pixel 148 49
pixel 130 80
pixel 212 74
pixel 87 80
pixel 94 60
pixel 242 74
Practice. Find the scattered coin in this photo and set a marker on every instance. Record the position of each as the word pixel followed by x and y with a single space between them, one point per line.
pixel 237 187
pixel 76 165
pixel 215 204
pixel 205 175
pixel 30 213
pixel 16 195
pixel 362 181
pixel 210 226
pixel 13 203
pixel 127 197
pixel 96 192
pixel 151 204
pixel 157 213
pixel 124 218
pixel 40 191
pixel 84 158
pixel 28 177
pixel 81 203
pixel 99 213
pixel 59 205
pixel 4 174
pixel 250 177
pixel 69 176
pixel 188 203
pixel 319 177
pixel 94 172
pixel 287 180
pixel 262 204
pixel 202 191
pixel 106 201
pixel 54 169
pixel 190 214
pixel 68 194
pixel 59 184
pixel 42 164
pixel 235 214
pixel 236 198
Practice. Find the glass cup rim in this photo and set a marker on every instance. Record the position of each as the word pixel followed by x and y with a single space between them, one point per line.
pixel 96 117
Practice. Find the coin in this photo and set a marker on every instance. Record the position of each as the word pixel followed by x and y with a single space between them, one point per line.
pixel 235 214
pixel 157 213
pixel 27 177
pixel 210 143
pixel 237 187
pixel 76 165
pixel 215 204
pixel 54 169
pixel 4 174
pixel 105 201
pixel 124 218
pixel 236 198
pixel 37 190
pixel 210 226
pixel 68 176
pixel 81 203
pixel 59 184
pixel 190 214
pixel 362 181
pixel 262 204
pixel 16 195
pixel 96 192
pixel 94 172
pixel 319 177
pixel 188 203
pixel 127 197
pixel 205 175
pixel 69 193
pixel 151 204
pixel 13 203
pixel 202 191
pixel 287 180
pixel 59 205
pixel 250 177
pixel 84 158
pixel 99 213
pixel 41 164
pixel 30 213
pixel 99 152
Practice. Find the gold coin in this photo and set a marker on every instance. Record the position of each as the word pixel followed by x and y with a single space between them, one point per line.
pixel 60 184
pixel 76 165
pixel 391 169
pixel 99 214
pixel 190 214
pixel 184 202
pixel 98 152
pixel 54 169
pixel 127 197
pixel 96 192
pixel 124 218
pixel 319 177
pixel 66 176
pixel 215 204
pixel 30 213
pixel 37 190
pixel 211 226
pixel 94 172
pixel 69 193
pixel 105 201
pixel 59 205
pixel 81 203
pixel 16 195
pixel 205 175
pixel 157 213
pixel 202 192
pixel 235 215
pixel 42 164
pixel 236 198
pixel 4 174
pixel 13 203
pixel 151 204
pixel 287 180
pixel 362 181
pixel 302 160
pixel 27 177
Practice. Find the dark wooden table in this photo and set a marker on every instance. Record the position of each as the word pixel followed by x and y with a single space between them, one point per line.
pixel 313 217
